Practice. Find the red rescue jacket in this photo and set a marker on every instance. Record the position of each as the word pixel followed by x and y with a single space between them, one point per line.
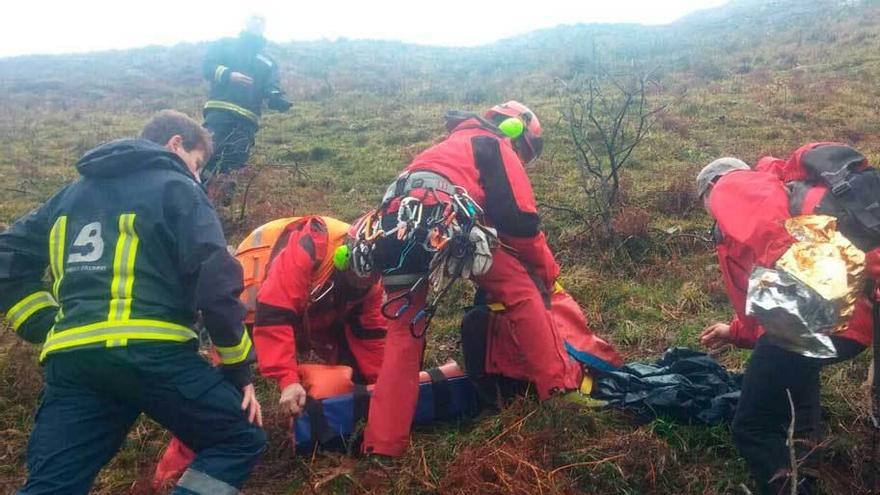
pixel 750 208
pixel 340 324
pixel 484 163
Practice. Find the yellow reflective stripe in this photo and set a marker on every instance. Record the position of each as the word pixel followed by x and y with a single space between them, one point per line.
pixel 496 307
pixel 129 268
pixel 57 239
pixel 238 353
pixel 557 287
pixel 232 107
pixel 22 310
pixel 218 73
pixel 123 269
pixel 56 253
pixel 115 333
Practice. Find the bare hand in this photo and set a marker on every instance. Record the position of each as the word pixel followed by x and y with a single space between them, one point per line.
pixel 716 335
pixel 250 404
pixel 240 79
pixel 293 399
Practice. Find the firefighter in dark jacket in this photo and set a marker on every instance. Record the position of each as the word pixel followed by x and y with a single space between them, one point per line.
pixel 242 77
pixel 134 250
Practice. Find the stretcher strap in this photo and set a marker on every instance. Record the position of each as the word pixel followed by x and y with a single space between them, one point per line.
pixel 321 432
pixel 442 393
pixel 361 402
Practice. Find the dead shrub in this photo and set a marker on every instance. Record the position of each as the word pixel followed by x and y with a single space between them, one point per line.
pixel 631 222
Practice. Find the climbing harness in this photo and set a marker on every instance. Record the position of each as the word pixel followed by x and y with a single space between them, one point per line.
pixel 453 232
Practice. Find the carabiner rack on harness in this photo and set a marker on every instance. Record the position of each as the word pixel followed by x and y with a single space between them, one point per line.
pixel 448 234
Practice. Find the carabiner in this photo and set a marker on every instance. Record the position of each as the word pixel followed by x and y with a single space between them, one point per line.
pixel 427 313
pixel 369 233
pixel 326 291
pixel 410 211
pixel 406 297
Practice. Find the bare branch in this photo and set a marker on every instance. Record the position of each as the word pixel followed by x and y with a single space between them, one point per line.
pixel 608 115
pixel 580 216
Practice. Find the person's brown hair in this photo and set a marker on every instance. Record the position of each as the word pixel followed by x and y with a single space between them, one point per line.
pixel 169 123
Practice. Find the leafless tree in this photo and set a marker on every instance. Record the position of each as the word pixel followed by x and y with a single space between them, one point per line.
pixel 608 114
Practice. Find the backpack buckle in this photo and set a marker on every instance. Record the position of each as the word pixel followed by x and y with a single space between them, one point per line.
pixel 840 188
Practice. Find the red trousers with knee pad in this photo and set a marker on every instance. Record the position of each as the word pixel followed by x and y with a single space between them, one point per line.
pixel 528 325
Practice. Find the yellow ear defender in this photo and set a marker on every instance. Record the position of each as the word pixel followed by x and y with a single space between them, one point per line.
pixel 342 258
pixel 512 127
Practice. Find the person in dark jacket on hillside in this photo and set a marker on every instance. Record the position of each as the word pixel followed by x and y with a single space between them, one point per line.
pixel 750 208
pixel 134 250
pixel 242 77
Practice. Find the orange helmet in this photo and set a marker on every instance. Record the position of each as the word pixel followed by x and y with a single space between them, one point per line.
pixel 528 142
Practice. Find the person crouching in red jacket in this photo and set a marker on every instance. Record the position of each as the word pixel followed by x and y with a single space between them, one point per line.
pixel 301 306
pixel 486 158
pixel 309 308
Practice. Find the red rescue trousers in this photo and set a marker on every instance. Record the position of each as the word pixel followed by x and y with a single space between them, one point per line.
pixel 528 321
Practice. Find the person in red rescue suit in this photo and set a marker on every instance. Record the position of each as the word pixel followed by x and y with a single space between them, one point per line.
pixel 749 208
pixel 310 308
pixel 305 309
pixel 490 166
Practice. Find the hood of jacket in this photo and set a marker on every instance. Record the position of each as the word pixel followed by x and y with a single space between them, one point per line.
pixel 126 156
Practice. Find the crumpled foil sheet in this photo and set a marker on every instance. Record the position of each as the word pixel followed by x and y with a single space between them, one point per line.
pixel 794 316
pixel 826 261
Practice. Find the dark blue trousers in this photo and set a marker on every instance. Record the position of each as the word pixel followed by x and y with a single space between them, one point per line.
pixel 92 398
pixel 233 141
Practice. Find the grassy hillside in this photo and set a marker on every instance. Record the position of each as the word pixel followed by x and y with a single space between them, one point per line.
pixel 747 79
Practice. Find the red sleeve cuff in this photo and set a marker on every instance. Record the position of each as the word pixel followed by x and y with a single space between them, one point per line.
pixel 744 333
pixel 287 380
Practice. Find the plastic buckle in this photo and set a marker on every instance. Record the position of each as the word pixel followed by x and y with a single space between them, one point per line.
pixel 840 188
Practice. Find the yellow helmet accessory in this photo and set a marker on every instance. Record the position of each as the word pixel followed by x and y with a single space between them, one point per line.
pixel 342 258
pixel 512 127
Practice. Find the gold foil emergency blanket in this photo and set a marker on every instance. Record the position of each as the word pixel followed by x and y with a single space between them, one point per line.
pixel 826 261
pixel 813 290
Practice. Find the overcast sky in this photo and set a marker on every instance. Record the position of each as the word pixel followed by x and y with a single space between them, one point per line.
pixel 64 26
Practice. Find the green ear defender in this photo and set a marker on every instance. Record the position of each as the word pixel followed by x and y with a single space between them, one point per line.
pixel 512 127
pixel 341 258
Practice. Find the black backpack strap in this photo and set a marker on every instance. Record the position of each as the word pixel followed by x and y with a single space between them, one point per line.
pixel 859 198
pixel 833 164
pixel 442 393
